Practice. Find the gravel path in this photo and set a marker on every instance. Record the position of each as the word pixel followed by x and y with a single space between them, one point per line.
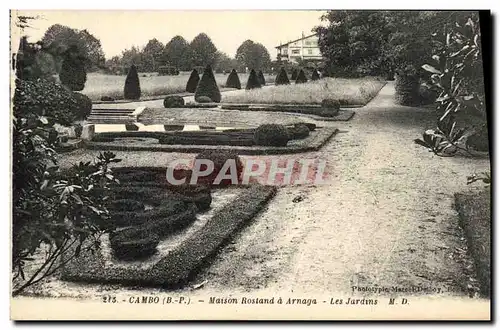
pixel 385 218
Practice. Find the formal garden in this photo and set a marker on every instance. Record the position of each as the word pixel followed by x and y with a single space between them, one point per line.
pixel 92 203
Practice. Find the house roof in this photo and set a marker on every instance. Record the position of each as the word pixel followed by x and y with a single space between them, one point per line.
pixel 282 45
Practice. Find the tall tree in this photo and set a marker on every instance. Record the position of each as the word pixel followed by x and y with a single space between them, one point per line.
pixel 131 57
pixel 203 50
pixel 253 55
pixel 224 63
pixel 177 53
pixel 152 55
pixel 58 38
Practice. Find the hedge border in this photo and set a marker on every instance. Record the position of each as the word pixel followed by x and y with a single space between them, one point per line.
pixel 180 265
pixel 313 142
pixel 473 221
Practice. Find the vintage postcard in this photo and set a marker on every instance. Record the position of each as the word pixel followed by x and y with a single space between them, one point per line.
pixel 250 165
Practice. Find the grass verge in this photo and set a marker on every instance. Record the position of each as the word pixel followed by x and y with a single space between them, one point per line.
pixel 180 265
pixel 347 91
pixel 475 219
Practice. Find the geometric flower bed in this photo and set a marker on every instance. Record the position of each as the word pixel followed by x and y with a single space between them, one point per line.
pixel 198 141
pixel 233 137
pixel 147 213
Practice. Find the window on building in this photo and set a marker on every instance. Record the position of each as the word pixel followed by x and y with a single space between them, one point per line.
pixel 295 51
pixel 309 51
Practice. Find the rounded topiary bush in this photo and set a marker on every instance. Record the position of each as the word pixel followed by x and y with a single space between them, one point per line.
pixel 262 80
pixel 173 102
pixel 219 158
pixel 131 127
pixel 310 126
pixel 299 131
pixel 132 89
pixel 46 98
pixel 233 81
pixel 193 81
pixel 407 89
pixel 282 78
pixel 84 105
pixel 301 77
pixel 315 75
pixel 275 135
pixel 294 74
pixel 330 104
pixel 208 86
pixel 107 98
pixel 253 81
pixel 203 99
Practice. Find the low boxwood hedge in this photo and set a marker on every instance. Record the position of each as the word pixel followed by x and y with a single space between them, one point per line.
pixel 183 262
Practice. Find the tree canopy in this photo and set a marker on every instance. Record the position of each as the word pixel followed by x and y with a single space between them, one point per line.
pixel 253 55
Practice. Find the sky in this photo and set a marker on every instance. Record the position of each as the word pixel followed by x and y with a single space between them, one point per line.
pixel 118 30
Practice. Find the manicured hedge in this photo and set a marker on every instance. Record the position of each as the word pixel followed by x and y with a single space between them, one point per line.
pixel 298 132
pixel 282 78
pixel 253 81
pixel 180 265
pixel 193 81
pixel 407 90
pixel 173 101
pixel 132 89
pixel 207 87
pixel 301 77
pixel 275 135
pixel 219 159
pixel 233 81
pixel 262 80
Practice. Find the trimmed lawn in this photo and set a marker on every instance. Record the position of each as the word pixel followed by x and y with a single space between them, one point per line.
pixel 348 91
pixel 475 219
pixel 99 84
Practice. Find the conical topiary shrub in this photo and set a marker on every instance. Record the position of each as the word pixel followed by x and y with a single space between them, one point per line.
pixel 315 75
pixel 253 80
pixel 208 86
pixel 301 77
pixel 233 81
pixel 282 78
pixel 294 74
pixel 132 90
pixel 193 81
pixel 262 80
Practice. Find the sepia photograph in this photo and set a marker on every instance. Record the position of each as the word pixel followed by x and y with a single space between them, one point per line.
pixel 250 165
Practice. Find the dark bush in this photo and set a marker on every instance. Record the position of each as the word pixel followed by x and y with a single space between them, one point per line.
pixel 301 77
pixel 390 76
pixel 253 81
pixel 310 126
pixel 330 104
pixel 132 248
pixel 47 98
pixel 426 95
pixel 315 75
pixel 407 90
pixel 132 89
pixel 107 98
pixel 219 158
pixel 208 86
pixel 233 81
pixel 131 127
pixel 126 205
pixel 84 105
pixel 262 80
pixel 294 74
pixel 282 78
pixel 173 101
pixel 275 135
pixel 173 127
pixel 193 81
pixel 479 140
pixel 299 131
pixel 73 74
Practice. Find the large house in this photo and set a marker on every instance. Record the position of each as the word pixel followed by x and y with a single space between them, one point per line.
pixel 303 49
